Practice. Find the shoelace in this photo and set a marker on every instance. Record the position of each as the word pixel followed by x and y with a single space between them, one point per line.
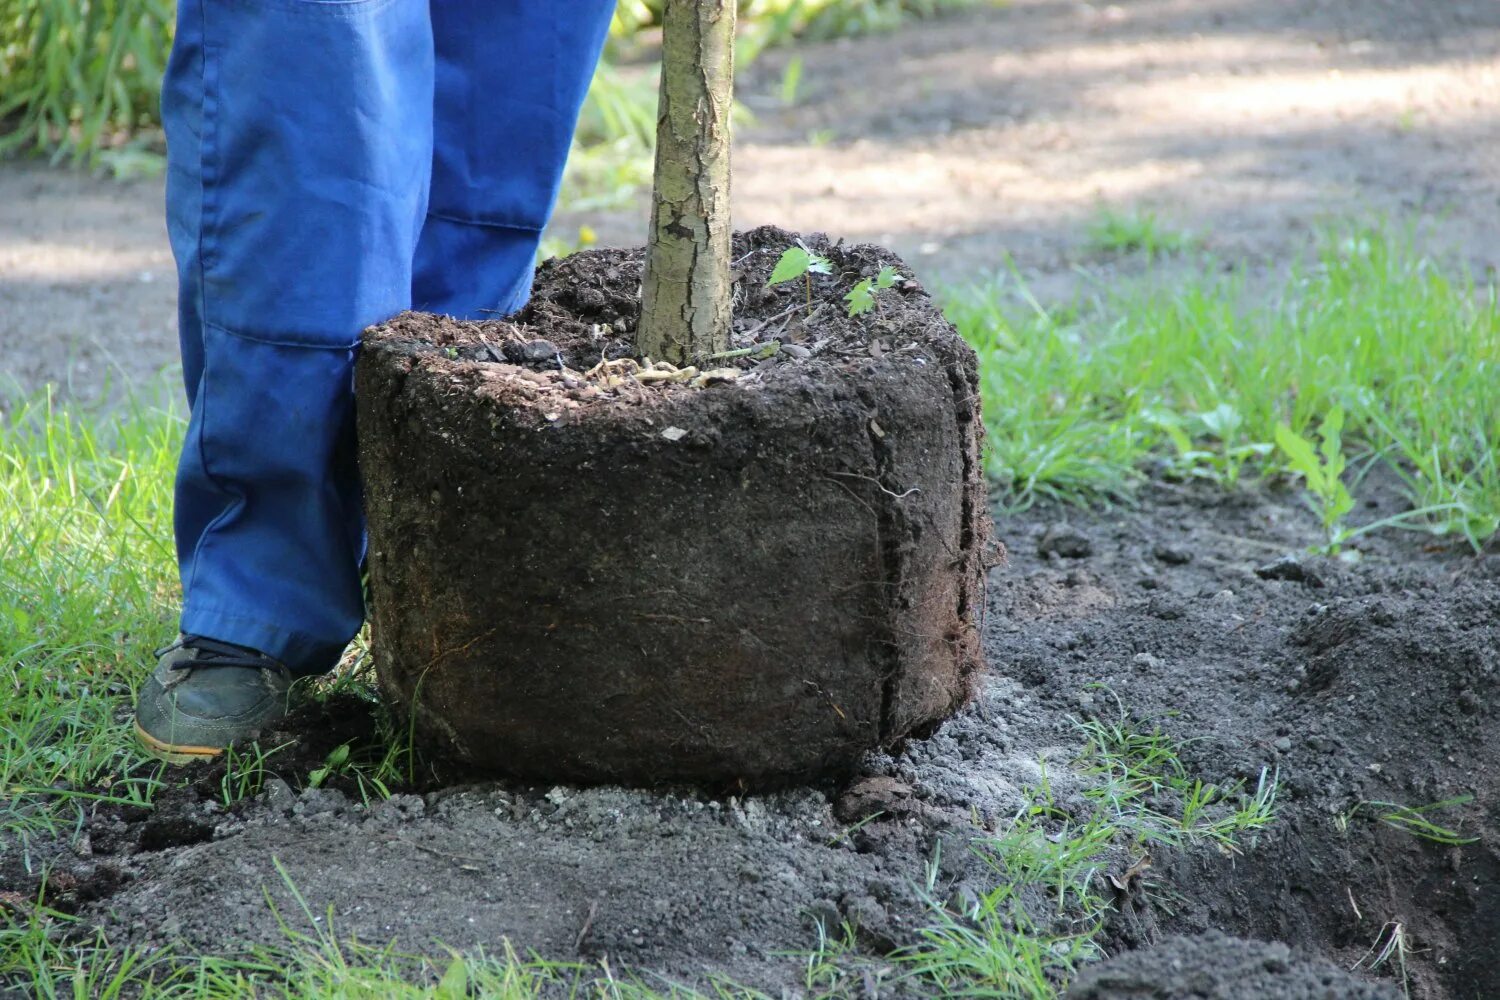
pixel 213 653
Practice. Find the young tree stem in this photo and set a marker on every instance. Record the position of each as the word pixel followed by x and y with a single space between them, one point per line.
pixel 685 295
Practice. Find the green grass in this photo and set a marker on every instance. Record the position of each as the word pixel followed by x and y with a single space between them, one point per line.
pixel 1411 819
pixel 1081 402
pixel 87 589
pixel 1139 770
pixel 80 75
pixel 1137 231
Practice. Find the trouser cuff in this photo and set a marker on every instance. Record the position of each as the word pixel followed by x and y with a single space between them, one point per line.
pixel 303 654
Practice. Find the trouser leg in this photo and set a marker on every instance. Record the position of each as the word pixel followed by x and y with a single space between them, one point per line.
pixel 511 76
pixel 299 151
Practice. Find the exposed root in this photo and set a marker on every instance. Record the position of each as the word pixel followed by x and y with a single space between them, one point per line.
pixel 612 374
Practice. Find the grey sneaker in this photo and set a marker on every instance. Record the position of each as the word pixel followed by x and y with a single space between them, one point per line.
pixel 205 695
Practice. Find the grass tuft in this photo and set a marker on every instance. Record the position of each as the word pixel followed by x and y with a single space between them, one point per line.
pixel 1137 231
pixel 1081 402
pixel 1412 819
pixel 1024 938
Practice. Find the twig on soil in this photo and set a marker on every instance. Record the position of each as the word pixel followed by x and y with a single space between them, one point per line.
pixel 806 322
pixel 679 619
pixel 833 704
pixel 465 863
pixel 767 322
pixel 765 349
pixel 588 925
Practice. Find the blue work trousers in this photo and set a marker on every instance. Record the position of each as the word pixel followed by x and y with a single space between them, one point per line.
pixel 331 163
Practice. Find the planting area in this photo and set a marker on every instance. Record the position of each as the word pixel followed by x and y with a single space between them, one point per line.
pixel 1179 729
pixel 1236 729
pixel 1220 705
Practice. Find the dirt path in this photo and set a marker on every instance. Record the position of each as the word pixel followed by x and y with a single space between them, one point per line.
pixel 957 143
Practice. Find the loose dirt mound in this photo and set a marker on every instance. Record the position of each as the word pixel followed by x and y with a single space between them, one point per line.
pixel 1217 967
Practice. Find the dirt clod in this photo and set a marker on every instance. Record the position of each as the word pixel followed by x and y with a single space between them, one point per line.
pixel 1291 568
pixel 874 795
pixel 530 351
pixel 1066 541
pixel 1172 555
pixel 1218 967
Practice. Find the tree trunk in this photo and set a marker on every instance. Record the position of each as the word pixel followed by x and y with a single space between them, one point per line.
pixel 685 299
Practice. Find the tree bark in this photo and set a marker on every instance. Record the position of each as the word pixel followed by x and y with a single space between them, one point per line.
pixel 685 295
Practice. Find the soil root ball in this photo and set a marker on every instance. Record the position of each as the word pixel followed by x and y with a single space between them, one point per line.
pixel 581 574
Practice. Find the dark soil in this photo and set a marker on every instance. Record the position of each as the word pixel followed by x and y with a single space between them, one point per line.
pixel 747 583
pixel 1372 683
pixel 200 803
pixel 1378 685
pixel 1217 967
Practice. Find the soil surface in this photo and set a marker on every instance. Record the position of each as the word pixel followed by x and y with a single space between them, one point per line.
pixel 747 577
pixel 1217 967
pixel 1375 682
pixel 955 142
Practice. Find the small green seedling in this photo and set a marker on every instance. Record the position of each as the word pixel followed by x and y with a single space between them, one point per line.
pixel 800 262
pixel 1221 457
pixel 1322 470
pixel 335 763
pixel 370 776
pixel 861 297
pixel 245 772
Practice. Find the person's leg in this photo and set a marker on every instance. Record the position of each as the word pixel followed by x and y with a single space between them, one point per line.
pixel 299 151
pixel 511 77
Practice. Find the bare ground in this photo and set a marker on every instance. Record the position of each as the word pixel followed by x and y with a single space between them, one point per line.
pixel 1360 688
pixel 958 143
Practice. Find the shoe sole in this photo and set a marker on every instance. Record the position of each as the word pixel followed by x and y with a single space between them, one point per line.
pixel 174 753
